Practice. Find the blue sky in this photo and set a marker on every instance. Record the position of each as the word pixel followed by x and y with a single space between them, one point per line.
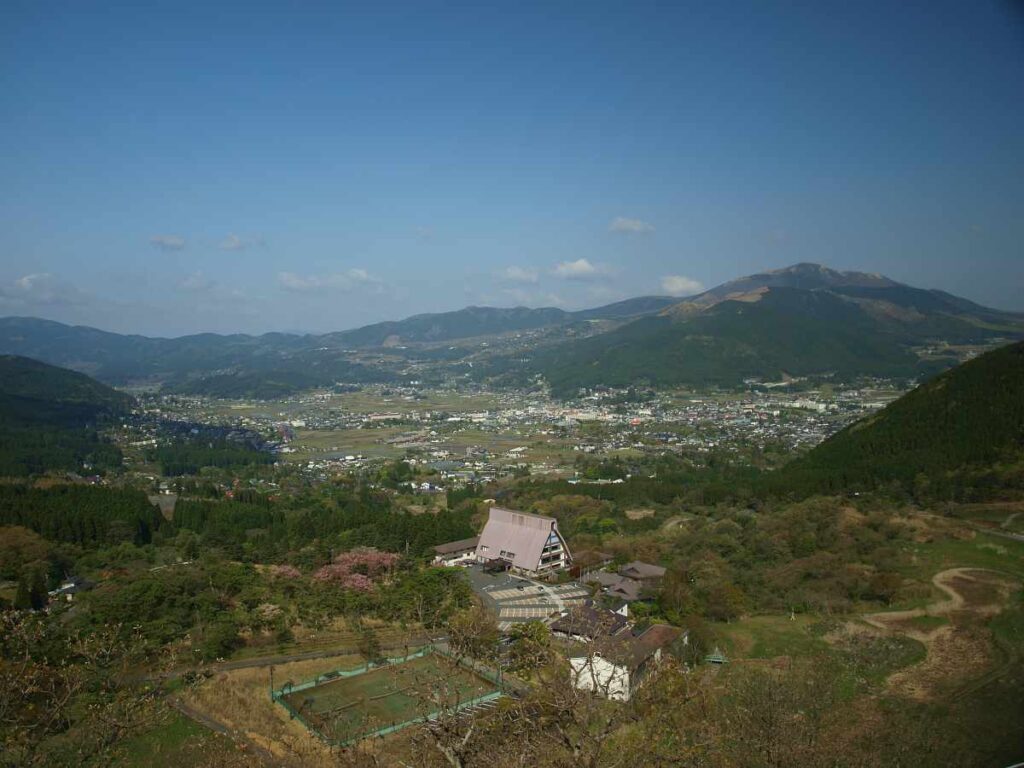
pixel 172 168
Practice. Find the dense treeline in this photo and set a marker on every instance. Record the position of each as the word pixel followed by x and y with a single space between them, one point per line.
pixel 188 457
pixel 48 419
pixel 33 450
pixel 336 521
pixel 654 480
pixel 86 515
pixel 958 436
pixel 213 601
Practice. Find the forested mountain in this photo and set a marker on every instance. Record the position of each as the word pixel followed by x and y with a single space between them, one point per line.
pixel 959 436
pixel 49 416
pixel 277 364
pixel 804 320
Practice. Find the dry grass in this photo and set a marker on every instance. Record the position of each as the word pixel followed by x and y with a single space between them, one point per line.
pixel 240 700
pixel 958 651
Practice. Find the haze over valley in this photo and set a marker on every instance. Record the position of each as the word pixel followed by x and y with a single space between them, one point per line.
pixel 389 385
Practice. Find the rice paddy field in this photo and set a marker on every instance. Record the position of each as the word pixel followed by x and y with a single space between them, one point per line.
pixel 345 708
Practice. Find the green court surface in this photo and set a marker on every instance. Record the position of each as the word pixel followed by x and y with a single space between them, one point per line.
pixel 348 707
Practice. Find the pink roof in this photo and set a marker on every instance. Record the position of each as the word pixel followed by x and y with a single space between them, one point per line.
pixel 519 532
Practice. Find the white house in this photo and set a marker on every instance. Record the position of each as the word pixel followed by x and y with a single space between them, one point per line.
pixel 460 552
pixel 620 667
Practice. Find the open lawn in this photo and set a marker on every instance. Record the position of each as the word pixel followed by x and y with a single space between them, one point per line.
pixel 977 550
pixel 767 637
pixel 177 742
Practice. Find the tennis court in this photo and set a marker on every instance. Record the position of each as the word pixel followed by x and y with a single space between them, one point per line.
pixel 386 697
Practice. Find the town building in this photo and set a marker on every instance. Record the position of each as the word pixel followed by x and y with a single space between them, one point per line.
pixel 460 552
pixel 531 544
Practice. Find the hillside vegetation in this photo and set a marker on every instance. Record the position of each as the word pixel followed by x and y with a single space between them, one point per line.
pixel 805 320
pixel 958 436
pixel 48 419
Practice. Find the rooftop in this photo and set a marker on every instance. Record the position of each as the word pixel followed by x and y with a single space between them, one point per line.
pixel 457 546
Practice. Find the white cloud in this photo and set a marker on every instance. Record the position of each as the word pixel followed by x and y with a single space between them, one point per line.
pixel 340 281
pixel 515 274
pixel 167 242
pixel 581 269
pixel 633 226
pixel 40 289
pixel 235 242
pixel 680 285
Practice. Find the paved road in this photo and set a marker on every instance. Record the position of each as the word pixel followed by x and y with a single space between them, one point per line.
pixel 1000 534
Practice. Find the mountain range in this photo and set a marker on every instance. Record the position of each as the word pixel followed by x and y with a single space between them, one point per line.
pixel 805 320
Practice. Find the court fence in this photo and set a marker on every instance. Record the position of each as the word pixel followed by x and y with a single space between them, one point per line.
pixel 494 677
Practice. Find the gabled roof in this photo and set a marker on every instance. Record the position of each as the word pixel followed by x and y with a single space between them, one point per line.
pixel 633 651
pixel 457 546
pixel 603 578
pixel 521 533
pixel 640 570
pixel 627 589
pixel 590 622
pixel 621 586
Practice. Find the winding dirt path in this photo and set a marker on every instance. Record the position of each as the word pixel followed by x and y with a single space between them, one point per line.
pixel 960 651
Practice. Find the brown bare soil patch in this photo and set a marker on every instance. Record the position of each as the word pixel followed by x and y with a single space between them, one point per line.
pixel 639 514
pixel 957 651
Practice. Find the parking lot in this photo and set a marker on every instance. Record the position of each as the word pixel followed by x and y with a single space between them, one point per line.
pixel 514 599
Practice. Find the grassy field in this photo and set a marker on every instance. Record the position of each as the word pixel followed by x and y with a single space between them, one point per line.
pixel 395 640
pixel 312 444
pixel 175 742
pixel 981 550
pixel 364 402
pixel 349 706
pixel 767 637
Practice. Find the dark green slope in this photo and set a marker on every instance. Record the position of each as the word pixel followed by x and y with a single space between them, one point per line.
pixel 489 321
pixel 788 331
pixel 804 320
pixel 959 435
pixel 447 326
pixel 48 418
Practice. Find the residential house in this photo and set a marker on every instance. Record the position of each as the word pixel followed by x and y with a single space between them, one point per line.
pixel 618 668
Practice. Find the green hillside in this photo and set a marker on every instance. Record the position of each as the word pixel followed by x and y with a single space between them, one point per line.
pixel 958 436
pixel 49 416
pixel 821 323
pixel 788 331
pixel 279 364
